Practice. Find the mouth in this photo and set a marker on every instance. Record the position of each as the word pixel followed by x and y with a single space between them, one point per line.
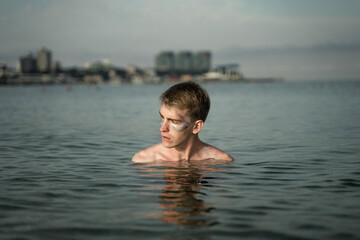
pixel 165 138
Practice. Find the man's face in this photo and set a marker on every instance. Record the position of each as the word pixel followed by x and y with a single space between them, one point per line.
pixel 176 127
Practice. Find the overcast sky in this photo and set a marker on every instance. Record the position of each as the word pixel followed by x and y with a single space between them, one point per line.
pixel 294 39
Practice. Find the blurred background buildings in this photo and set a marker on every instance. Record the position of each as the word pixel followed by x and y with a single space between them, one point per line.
pixel 168 66
pixel 42 63
pixel 184 62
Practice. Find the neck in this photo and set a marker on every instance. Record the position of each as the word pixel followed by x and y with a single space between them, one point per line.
pixel 187 151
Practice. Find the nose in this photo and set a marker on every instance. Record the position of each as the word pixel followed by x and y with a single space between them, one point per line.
pixel 164 126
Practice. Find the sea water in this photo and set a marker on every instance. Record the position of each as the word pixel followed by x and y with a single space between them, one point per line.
pixel 66 171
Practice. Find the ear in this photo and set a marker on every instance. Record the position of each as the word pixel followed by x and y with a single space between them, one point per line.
pixel 198 126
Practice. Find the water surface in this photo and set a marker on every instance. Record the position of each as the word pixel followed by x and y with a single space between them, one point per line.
pixel 65 170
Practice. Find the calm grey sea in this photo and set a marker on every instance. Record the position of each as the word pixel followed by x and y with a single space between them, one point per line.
pixel 65 170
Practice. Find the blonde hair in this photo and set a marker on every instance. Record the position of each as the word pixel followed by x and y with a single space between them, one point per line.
pixel 190 96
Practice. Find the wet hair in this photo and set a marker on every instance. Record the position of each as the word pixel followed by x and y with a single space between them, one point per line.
pixel 190 96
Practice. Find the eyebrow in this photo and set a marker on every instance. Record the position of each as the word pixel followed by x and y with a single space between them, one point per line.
pixel 178 120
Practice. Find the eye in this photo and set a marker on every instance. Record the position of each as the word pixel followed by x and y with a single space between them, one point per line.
pixel 175 122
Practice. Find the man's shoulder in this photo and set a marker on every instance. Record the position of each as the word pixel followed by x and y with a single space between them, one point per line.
pixel 147 155
pixel 217 153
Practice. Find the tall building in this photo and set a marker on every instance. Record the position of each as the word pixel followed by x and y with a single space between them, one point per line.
pixel 165 63
pixel 55 66
pixel 28 64
pixel 202 62
pixel 44 60
pixel 184 63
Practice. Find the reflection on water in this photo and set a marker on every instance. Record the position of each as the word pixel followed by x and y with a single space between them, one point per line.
pixel 65 170
pixel 182 199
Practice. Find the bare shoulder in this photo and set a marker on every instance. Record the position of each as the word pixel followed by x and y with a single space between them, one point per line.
pixel 216 153
pixel 146 155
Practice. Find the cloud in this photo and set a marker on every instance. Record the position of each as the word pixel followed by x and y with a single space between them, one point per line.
pixel 321 61
pixel 134 31
pixel 180 24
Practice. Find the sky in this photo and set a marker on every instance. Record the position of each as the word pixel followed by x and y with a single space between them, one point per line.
pixel 293 39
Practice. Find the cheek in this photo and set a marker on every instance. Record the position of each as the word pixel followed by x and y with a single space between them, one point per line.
pixel 179 127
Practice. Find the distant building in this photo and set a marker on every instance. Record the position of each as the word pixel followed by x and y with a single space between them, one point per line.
pixel 55 66
pixel 202 62
pixel 3 70
pixel 44 60
pixel 165 63
pixel 28 64
pixel 224 72
pixel 232 69
pixel 184 62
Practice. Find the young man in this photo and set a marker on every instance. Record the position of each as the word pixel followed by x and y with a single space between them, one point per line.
pixel 184 108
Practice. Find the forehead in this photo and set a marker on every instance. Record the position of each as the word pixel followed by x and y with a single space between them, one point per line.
pixel 173 113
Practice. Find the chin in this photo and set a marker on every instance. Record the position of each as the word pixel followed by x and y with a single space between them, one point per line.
pixel 167 145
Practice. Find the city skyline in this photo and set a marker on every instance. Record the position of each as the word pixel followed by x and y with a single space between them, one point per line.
pixel 290 39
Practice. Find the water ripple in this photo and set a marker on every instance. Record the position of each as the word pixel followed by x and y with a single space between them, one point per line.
pixel 65 170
